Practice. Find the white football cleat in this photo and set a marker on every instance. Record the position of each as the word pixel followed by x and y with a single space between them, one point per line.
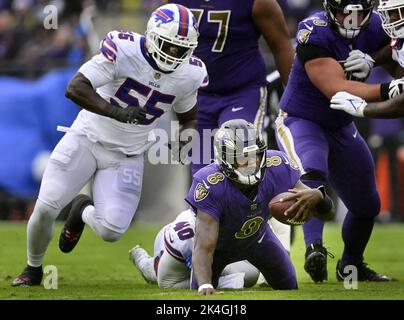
pixel 143 263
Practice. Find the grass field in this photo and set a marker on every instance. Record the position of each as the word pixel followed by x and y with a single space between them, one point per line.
pixel 100 270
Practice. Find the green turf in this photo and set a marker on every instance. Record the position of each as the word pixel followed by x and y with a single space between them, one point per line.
pixel 100 270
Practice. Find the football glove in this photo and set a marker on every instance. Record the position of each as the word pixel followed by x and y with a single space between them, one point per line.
pixel 391 89
pixel 349 103
pixel 130 114
pixel 359 64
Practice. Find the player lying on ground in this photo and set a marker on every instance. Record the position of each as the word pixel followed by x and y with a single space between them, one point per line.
pixel 170 266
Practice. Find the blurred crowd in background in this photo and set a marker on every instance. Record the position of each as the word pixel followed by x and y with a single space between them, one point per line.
pixel 36 64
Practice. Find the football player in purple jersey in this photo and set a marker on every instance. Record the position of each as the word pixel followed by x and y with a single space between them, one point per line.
pixel 392 12
pixel 231 196
pixel 325 142
pixel 228 45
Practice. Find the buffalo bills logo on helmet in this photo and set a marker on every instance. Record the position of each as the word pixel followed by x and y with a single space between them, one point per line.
pixel 164 15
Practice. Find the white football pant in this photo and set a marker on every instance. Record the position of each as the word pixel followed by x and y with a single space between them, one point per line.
pixel 116 191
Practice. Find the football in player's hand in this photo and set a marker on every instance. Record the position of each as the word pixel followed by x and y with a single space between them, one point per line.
pixel 278 208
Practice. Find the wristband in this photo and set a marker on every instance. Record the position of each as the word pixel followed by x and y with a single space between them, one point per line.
pixel 205 286
pixel 384 91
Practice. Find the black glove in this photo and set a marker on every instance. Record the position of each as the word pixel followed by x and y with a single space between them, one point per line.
pixel 130 114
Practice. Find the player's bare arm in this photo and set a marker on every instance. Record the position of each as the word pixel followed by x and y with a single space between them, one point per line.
pixel 269 19
pixel 206 235
pixel 80 91
pixel 188 120
pixel 393 108
pixel 328 76
pixel 382 56
pixel 310 202
pixel 358 107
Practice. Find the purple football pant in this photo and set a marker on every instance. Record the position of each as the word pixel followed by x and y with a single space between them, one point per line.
pixel 342 157
pixel 213 110
pixel 267 255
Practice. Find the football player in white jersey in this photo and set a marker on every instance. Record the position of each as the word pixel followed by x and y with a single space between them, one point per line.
pixel 392 12
pixel 123 91
pixel 170 266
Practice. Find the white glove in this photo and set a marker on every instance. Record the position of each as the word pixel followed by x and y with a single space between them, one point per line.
pixel 359 64
pixel 396 87
pixel 349 103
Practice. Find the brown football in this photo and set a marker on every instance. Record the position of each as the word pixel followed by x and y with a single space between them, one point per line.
pixel 278 208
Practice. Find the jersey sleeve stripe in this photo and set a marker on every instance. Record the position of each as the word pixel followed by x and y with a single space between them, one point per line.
pixel 205 81
pixel 107 52
pixel 111 45
pixel 173 252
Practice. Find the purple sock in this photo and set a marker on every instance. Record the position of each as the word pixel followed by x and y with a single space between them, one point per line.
pixel 356 232
pixel 313 229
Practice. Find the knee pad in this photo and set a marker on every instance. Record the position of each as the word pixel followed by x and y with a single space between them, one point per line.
pixel 109 235
pixel 44 211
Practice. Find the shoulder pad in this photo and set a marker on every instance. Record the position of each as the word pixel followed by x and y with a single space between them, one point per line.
pixel 116 41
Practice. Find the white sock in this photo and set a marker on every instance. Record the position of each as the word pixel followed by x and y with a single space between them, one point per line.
pixel 91 220
pixel 40 231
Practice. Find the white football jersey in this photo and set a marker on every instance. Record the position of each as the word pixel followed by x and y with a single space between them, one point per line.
pixel 397 52
pixel 124 74
pixel 178 238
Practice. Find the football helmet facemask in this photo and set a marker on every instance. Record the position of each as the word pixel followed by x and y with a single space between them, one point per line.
pixel 348 17
pixel 241 152
pixel 171 36
pixel 392 12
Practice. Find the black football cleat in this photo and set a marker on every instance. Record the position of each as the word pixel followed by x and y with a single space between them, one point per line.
pixel 74 225
pixel 363 271
pixel 316 262
pixel 31 276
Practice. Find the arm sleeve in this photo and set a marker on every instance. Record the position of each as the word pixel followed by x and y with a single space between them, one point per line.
pixel 309 52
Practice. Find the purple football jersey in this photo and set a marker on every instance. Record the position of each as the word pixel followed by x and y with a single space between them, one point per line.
pixel 228 43
pixel 301 98
pixel 241 220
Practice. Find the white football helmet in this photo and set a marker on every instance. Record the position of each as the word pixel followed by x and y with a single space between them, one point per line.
pixel 171 36
pixel 392 12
